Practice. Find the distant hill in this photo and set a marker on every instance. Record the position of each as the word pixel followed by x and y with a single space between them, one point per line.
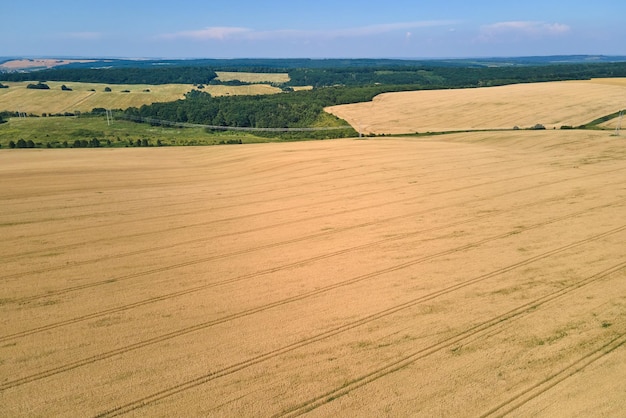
pixel 9 64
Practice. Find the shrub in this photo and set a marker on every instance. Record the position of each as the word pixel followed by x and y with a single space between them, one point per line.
pixel 38 86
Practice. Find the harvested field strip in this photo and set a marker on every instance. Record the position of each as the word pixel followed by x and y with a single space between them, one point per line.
pixel 459 277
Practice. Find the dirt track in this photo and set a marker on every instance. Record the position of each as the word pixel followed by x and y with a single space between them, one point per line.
pixel 465 275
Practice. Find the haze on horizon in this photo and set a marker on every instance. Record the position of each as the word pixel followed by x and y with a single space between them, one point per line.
pixel 323 29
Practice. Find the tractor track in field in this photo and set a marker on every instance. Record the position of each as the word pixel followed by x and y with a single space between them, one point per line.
pixel 303 296
pixel 407 360
pixel 193 262
pixel 279 183
pixel 199 211
pixel 396 365
pixel 259 273
pixel 272 245
pixel 554 379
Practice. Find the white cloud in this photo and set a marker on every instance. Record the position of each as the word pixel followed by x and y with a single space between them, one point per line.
pixel 85 36
pixel 211 33
pixel 523 29
pixel 225 33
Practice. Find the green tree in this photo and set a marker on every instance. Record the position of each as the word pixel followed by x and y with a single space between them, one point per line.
pixel 12 144
pixel 38 86
pixel 21 143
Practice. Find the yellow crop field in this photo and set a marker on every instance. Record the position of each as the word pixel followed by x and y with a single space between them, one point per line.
pixel 476 274
pixel 252 77
pixel 18 98
pixel 551 104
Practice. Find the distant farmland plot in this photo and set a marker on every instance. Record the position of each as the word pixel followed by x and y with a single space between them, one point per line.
pixel 18 98
pixel 478 274
pixel 551 104
pixel 252 77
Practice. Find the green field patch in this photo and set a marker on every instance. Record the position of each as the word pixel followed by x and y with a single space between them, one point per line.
pixel 63 132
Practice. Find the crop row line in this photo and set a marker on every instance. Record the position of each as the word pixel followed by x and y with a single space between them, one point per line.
pixel 407 360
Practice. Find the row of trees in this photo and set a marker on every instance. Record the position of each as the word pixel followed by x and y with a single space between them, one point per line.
pixel 160 75
pixel 299 109
pixel 22 144
pixel 83 143
pixel 451 76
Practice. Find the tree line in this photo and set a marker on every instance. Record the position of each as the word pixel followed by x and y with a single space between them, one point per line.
pixel 451 76
pixel 350 85
pixel 160 75
pixel 325 73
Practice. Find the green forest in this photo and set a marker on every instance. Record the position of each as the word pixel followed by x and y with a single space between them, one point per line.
pixel 334 82
pixel 334 86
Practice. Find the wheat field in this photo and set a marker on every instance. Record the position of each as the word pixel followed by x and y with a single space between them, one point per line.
pixel 18 98
pixel 476 274
pixel 252 77
pixel 552 104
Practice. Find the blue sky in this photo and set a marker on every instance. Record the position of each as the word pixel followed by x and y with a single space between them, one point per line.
pixel 311 29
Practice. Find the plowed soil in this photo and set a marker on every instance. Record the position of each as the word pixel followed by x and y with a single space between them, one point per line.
pixel 467 275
